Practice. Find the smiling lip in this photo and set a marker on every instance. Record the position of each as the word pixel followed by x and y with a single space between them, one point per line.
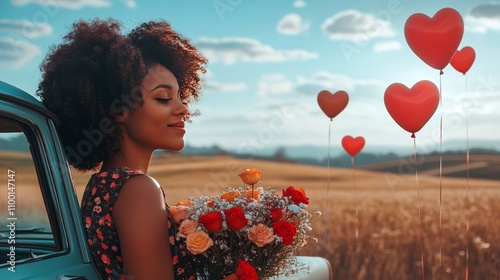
pixel 178 125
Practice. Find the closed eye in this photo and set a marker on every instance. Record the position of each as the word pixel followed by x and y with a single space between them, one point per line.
pixel 163 100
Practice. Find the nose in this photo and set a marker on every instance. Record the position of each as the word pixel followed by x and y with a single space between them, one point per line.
pixel 181 109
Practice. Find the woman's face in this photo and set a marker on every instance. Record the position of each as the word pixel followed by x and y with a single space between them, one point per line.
pixel 159 122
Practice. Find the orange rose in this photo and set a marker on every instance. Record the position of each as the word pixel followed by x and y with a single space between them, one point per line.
pixel 185 202
pixel 250 176
pixel 178 213
pixel 230 196
pixel 248 194
pixel 198 242
pixel 187 226
pixel 261 235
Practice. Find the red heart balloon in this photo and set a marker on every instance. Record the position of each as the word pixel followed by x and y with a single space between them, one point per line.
pixel 353 145
pixel 462 59
pixel 332 104
pixel 411 108
pixel 435 40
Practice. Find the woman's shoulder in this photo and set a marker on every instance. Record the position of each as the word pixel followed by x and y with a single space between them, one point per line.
pixel 140 201
pixel 140 187
pixel 108 183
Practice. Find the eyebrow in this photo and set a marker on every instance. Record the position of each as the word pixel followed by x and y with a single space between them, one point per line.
pixel 163 86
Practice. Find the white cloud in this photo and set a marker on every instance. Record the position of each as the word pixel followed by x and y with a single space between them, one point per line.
pixel 16 53
pixel 274 84
pixel 355 26
pixel 365 89
pixel 483 17
pixel 292 24
pixel 299 4
pixel 323 80
pixel 25 28
pixel 224 87
pixel 131 4
pixel 68 4
pixel 232 49
pixel 279 84
pixel 386 46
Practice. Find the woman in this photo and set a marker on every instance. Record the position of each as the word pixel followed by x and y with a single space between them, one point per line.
pixel 119 98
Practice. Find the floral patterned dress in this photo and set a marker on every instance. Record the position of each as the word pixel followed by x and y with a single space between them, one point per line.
pixel 97 207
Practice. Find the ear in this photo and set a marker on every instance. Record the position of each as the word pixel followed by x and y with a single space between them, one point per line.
pixel 122 116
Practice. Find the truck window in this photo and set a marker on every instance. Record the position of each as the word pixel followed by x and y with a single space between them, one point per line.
pixel 25 231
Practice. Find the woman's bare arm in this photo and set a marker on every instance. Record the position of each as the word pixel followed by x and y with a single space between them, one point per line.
pixel 141 220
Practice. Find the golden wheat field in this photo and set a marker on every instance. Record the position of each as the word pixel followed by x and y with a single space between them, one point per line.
pixel 370 224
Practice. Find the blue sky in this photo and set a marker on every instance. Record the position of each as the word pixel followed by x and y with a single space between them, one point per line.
pixel 269 59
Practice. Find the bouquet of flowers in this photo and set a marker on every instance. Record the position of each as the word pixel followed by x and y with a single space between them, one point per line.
pixel 253 233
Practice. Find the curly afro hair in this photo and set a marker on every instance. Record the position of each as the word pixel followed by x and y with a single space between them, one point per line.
pixel 96 73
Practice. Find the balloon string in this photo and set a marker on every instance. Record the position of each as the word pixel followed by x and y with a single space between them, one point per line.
pixel 440 176
pixel 327 185
pixel 467 186
pixel 419 209
pixel 355 197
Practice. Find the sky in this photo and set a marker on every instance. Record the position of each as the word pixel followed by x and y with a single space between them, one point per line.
pixel 268 60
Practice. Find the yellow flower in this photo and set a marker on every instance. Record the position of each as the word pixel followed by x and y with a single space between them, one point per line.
pixel 198 242
pixel 230 196
pixel 261 235
pixel 250 176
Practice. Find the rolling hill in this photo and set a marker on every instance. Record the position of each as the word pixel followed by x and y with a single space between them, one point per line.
pixel 481 166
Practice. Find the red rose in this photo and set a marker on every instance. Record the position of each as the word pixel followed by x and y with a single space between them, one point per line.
pixel 210 203
pixel 212 221
pixel 297 195
pixel 246 271
pixel 276 214
pixel 235 218
pixel 285 230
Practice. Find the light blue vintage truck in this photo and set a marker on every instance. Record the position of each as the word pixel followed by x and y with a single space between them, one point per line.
pixel 47 241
